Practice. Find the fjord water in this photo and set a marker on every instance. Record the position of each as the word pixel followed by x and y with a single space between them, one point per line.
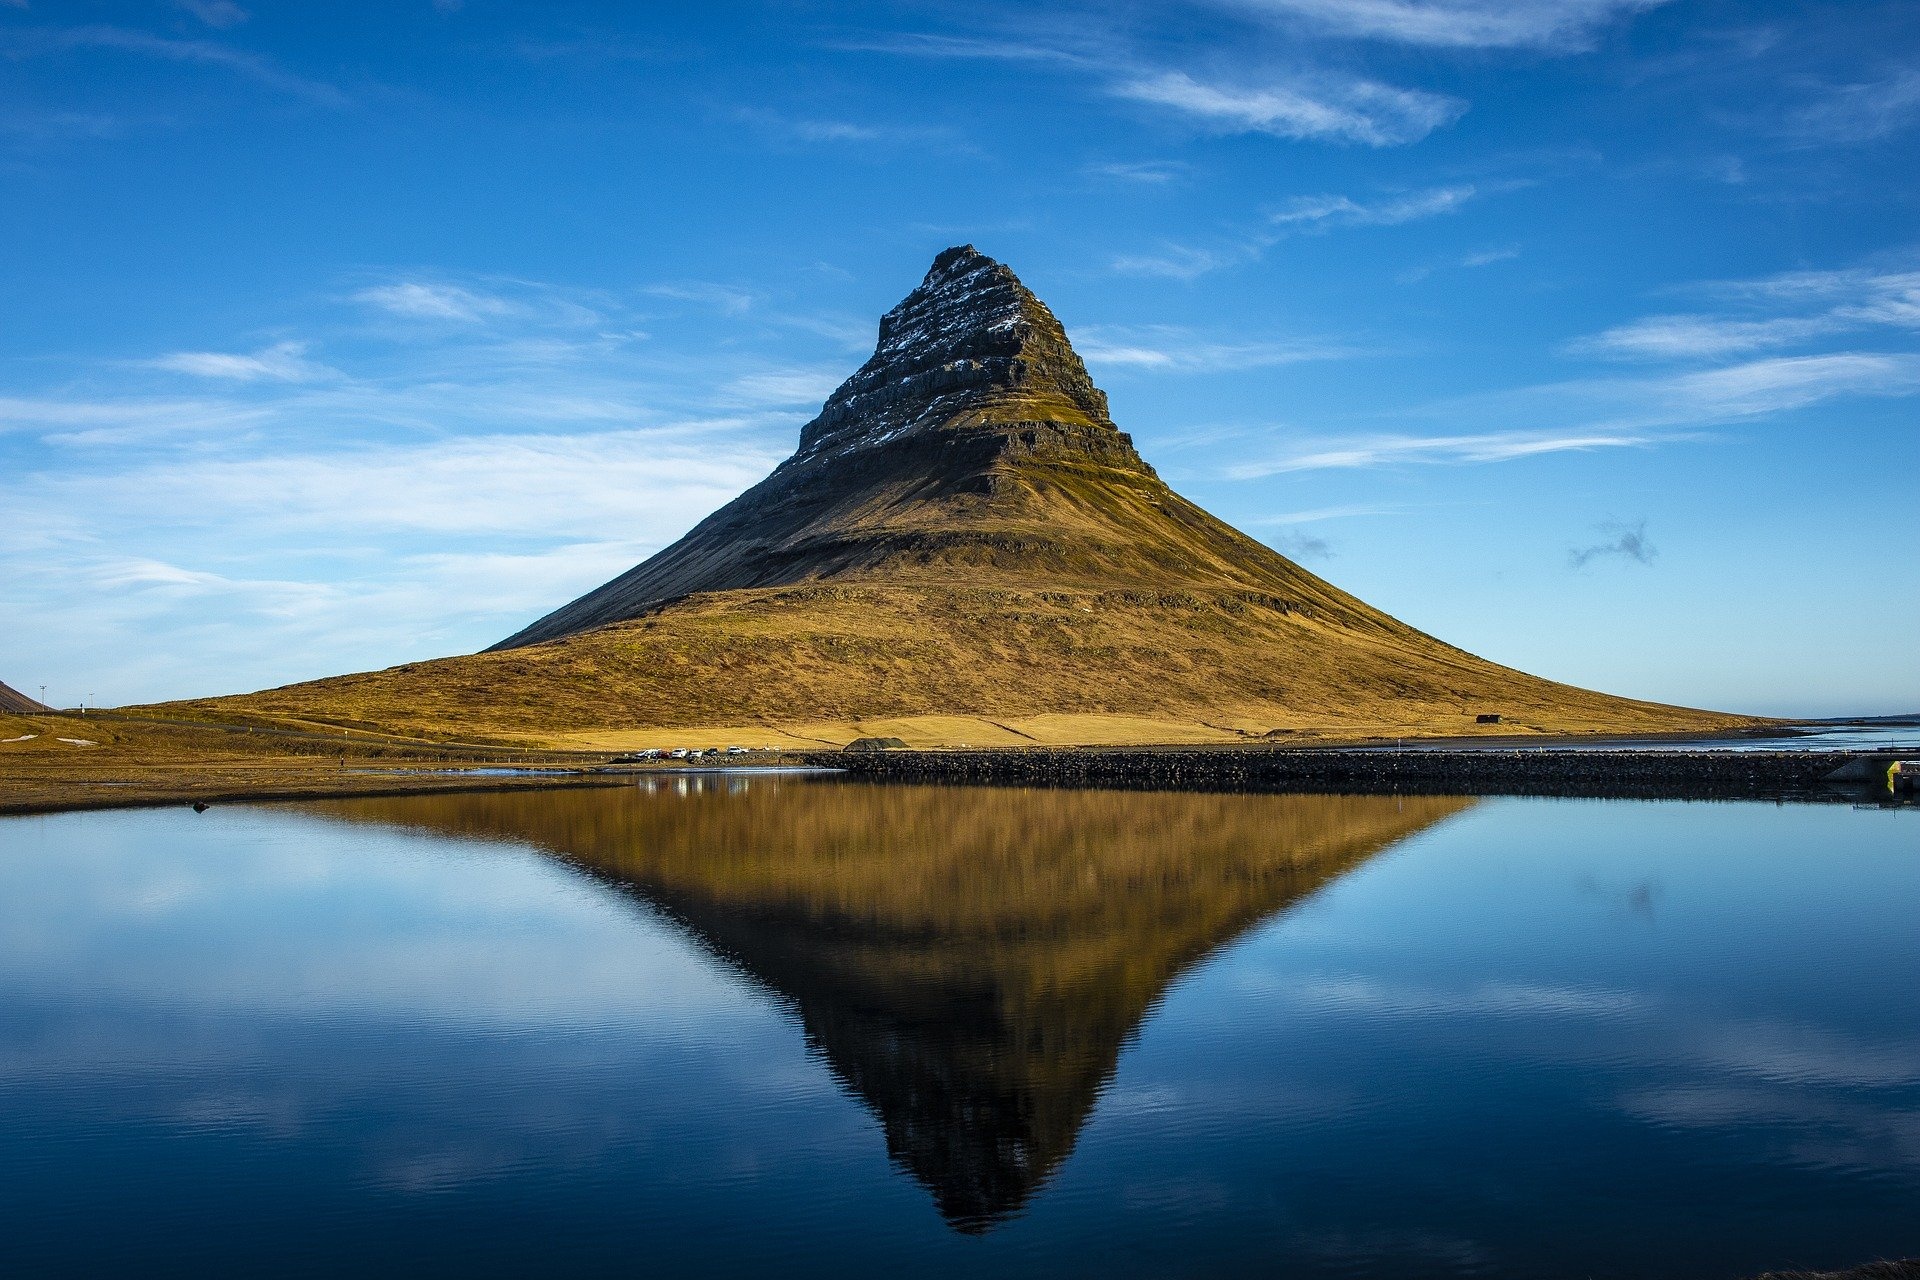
pixel 733 1025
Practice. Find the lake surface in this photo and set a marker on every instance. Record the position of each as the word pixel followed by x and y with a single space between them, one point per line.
pixel 742 1025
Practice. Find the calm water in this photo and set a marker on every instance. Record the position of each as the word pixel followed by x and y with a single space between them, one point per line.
pixel 793 1024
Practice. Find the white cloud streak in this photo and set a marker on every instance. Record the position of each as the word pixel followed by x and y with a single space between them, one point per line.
pixel 1823 303
pixel 282 362
pixel 1299 106
pixel 1399 449
pixel 1556 25
pixel 1351 111
pixel 48 40
pixel 1621 413
pixel 1335 210
pixel 1859 113
pixel 829 132
pixel 418 300
pixel 1170 349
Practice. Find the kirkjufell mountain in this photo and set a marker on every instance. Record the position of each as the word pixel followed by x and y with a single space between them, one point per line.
pixel 963 548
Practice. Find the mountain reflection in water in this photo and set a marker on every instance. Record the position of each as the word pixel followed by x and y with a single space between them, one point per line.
pixel 968 961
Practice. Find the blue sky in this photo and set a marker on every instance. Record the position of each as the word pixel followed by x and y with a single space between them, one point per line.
pixel 1580 333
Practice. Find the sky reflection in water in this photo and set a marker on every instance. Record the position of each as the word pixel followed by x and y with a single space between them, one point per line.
pixel 810 1024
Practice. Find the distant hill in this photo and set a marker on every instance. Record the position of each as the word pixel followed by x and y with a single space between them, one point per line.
pixel 963 548
pixel 12 700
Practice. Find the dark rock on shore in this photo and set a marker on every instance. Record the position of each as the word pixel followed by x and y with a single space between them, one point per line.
pixel 1727 775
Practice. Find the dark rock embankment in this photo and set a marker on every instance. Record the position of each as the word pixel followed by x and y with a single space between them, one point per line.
pixel 1676 774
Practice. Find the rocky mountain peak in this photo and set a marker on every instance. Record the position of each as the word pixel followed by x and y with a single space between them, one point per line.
pixel 971 346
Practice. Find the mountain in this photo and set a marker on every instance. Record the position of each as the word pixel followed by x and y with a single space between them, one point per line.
pixel 12 700
pixel 968 964
pixel 964 547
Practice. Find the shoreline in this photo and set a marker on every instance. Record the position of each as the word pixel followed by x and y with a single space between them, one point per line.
pixel 1544 770
pixel 1573 772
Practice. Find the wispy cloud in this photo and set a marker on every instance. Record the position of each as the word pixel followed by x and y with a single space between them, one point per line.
pixel 915 44
pixel 726 299
pixel 1300 215
pixel 1460 24
pixel 48 126
pixel 817 131
pixel 1150 172
pixel 417 300
pixel 215 13
pixel 1336 210
pixel 1862 112
pixel 1389 449
pixel 1320 109
pixel 1180 262
pixel 262 71
pixel 1627 542
pixel 1317 514
pixel 1322 106
pixel 1817 303
pixel 282 362
pixel 1466 262
pixel 784 388
pixel 1618 413
pixel 1170 349
pixel 1695 337
pixel 1790 382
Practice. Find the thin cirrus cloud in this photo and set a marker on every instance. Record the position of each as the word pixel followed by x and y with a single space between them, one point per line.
pixel 783 388
pixel 1563 25
pixel 416 300
pixel 1302 215
pixel 846 132
pixel 1317 109
pixel 1149 172
pixel 219 14
pixel 1389 449
pixel 1318 106
pixel 1620 413
pixel 282 362
pixel 1344 211
pixel 1171 349
pixel 49 41
pixel 1686 337
pixel 1866 111
pixel 1817 303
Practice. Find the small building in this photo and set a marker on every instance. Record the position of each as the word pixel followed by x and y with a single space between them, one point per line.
pixel 1487 717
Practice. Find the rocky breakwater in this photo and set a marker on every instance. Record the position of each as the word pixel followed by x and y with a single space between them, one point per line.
pixel 1647 774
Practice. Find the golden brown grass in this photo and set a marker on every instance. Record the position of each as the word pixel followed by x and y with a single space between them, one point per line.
pixel 988 666
pixel 113 761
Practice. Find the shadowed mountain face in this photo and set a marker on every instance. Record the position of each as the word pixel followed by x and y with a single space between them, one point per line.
pixel 19 703
pixel 969 962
